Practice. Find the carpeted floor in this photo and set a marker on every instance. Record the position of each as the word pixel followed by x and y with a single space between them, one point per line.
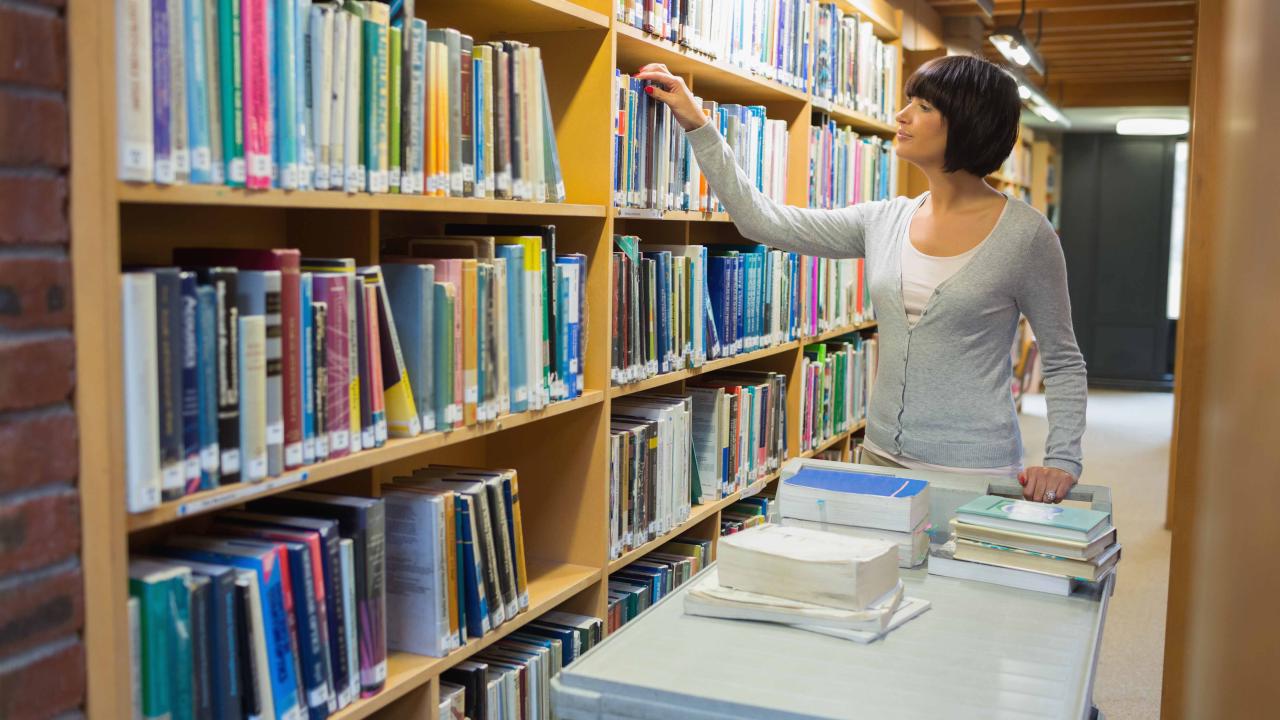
pixel 1126 447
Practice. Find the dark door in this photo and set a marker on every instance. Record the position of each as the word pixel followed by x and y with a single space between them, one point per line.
pixel 1116 202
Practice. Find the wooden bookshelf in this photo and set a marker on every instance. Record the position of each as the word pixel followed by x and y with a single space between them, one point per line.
pixel 561 452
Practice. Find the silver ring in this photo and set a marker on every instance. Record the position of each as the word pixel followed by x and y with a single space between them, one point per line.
pixel 1050 496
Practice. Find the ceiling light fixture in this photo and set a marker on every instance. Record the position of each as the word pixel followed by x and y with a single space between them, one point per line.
pixel 1152 126
pixel 1037 102
pixel 1014 46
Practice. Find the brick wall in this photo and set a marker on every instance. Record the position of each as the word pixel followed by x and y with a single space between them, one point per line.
pixel 42 671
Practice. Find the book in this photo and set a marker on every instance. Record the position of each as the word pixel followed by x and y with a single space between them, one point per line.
pixel 942 565
pixel 912 546
pixel 260 296
pixel 857 498
pixel 141 391
pixel 252 361
pixel 418 591
pixel 1016 558
pixel 808 565
pixel 1052 521
pixel 134 115
pixel 162 599
pixel 708 598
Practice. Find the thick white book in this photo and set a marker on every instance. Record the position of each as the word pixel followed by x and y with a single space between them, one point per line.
pixel 134 117
pixel 912 546
pixel 852 495
pixel 709 598
pixel 940 563
pixel 354 177
pixel 417 576
pixel 141 394
pixel 347 555
pixel 247 586
pixel 322 18
pixel 338 100
pixel 908 609
pixel 808 565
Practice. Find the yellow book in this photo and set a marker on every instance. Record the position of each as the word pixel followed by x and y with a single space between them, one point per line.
pixel 401 411
pixel 451 555
pixel 437 131
pixel 522 573
pixel 470 327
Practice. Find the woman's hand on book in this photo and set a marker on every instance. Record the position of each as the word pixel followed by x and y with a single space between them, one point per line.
pixel 672 90
pixel 1046 484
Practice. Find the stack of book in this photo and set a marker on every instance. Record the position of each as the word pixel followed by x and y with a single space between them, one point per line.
pixel 838 377
pixel 748 513
pixel 511 679
pixel 455 557
pixel 816 581
pixel 646 581
pixel 354 96
pixel 767 37
pixel 652 481
pixel 846 168
pixel 739 429
pixel 1034 546
pixel 852 67
pixel 861 504
pixel 676 306
pixel 279 612
pixel 245 364
pixel 655 169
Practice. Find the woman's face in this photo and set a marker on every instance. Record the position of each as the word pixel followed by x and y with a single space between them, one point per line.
pixel 922 134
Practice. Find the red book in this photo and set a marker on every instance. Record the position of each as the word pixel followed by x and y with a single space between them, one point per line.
pixel 286 261
pixel 377 401
pixel 256 86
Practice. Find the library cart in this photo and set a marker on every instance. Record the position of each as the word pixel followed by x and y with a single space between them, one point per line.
pixel 980 651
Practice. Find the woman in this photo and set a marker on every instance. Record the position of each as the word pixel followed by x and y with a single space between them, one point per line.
pixel 949 272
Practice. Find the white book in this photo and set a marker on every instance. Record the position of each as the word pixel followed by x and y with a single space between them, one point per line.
pixel 253 397
pixel 338 101
pixel 178 130
pixel 808 565
pixel 415 40
pixel 354 173
pixel 322 17
pixel 305 93
pixel 941 564
pixel 859 496
pixel 417 575
pixel 141 393
pixel 134 116
pixel 247 582
pixel 347 555
pixel 708 598
pixel 135 656
pixel 912 546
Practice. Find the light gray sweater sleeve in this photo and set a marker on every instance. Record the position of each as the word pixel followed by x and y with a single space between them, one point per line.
pixel 1044 300
pixel 827 233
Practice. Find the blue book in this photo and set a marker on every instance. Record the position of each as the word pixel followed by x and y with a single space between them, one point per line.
pixel 475 602
pixel 303 89
pixel 567 636
pixel 284 90
pixel 308 368
pixel 578 350
pixel 516 325
pixel 198 92
pixel 190 395
pixel 717 293
pixel 160 92
pixel 663 350
pixel 207 384
pixel 266 563
pixel 161 591
pixel 564 298
pixel 852 497
pixel 411 294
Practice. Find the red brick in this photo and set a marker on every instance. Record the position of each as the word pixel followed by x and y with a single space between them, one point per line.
pixel 35 450
pixel 33 210
pixel 45 688
pixel 35 293
pixel 33 47
pixel 39 531
pixel 33 129
pixel 35 371
pixel 41 611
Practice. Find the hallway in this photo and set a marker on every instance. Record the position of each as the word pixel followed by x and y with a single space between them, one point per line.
pixel 1126 448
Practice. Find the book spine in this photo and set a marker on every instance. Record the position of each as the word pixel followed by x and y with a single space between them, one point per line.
pixel 179 130
pixel 320 374
pixel 354 169
pixel 197 72
pixel 291 376
pixel 231 89
pixel 275 373
pixel 303 109
pixel 366 411
pixel 224 282
pixel 355 377
pixel 307 371
pixel 321 49
pixel 467 114
pixel 401 417
pixel 417 117
pixel 141 391
pixel 338 101
pixel 395 85
pixel 373 601
pixel 189 399
pixel 469 340
pixel 161 97
pixel 213 81
pixel 338 403
pixel 207 384
pixel 453 41
pixel 169 370
pixel 253 396
pixel 377 401
pixel 256 79
pixel 135 118
pixel 442 347
pixel 283 93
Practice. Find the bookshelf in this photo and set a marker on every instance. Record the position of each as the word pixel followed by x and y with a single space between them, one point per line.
pixel 561 451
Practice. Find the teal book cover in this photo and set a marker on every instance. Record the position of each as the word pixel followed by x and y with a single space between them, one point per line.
pixel 1057 516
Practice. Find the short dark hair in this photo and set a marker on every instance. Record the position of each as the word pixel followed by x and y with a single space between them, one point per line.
pixel 981 105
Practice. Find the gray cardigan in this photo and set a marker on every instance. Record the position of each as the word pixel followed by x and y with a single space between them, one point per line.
pixel 942 391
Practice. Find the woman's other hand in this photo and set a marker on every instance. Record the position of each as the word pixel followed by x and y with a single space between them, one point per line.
pixel 1045 484
pixel 671 90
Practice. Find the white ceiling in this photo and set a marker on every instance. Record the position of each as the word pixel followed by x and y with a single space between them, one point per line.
pixel 1103 119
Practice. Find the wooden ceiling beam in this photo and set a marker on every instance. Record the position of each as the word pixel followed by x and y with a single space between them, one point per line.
pixel 1105 53
pixel 1006 7
pixel 1133 62
pixel 1158 91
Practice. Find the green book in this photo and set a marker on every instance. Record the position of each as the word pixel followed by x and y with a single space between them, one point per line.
pixel 162 596
pixel 229 86
pixel 1032 518
pixel 394 57
pixel 374 96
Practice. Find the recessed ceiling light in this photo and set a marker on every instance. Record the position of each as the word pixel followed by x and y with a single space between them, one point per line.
pixel 1152 126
